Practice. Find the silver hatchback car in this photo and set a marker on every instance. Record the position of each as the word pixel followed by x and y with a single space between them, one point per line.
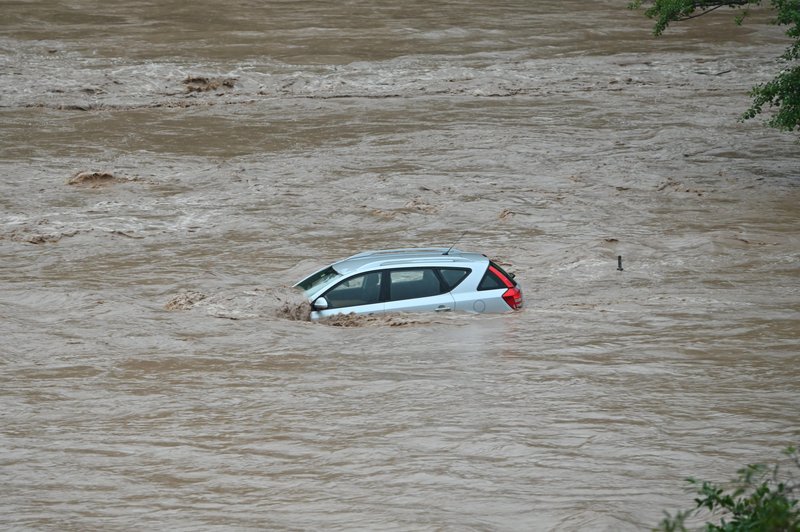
pixel 411 280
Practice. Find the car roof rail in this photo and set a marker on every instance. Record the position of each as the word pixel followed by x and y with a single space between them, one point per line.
pixel 414 263
pixel 397 251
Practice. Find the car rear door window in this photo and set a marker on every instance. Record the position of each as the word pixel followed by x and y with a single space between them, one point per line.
pixel 364 289
pixel 414 283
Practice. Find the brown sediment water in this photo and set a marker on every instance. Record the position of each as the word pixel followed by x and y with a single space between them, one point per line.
pixel 158 372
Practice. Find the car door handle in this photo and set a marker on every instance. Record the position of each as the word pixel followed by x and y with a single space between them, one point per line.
pixel 443 308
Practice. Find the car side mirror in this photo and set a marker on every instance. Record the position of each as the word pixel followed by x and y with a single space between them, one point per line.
pixel 320 303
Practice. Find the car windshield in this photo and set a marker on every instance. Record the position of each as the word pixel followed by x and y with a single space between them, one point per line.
pixel 317 279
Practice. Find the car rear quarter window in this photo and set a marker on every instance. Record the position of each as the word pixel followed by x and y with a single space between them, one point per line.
pixel 495 278
pixel 509 276
pixel 490 281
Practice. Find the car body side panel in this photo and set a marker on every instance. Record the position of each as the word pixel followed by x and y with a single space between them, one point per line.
pixel 481 301
pixel 438 303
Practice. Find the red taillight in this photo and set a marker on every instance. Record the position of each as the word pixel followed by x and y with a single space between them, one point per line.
pixel 513 297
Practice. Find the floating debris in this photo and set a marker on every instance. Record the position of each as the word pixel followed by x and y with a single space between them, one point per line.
pixel 83 178
pixel 418 205
pixel 31 237
pixel 185 301
pixel 97 179
pixel 505 214
pixel 203 84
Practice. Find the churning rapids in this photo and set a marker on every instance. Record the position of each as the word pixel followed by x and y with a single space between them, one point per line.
pixel 170 168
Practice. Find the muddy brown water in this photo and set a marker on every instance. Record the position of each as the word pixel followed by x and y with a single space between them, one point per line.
pixel 170 168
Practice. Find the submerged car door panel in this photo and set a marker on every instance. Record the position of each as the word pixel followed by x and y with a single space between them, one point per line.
pixel 375 308
pixel 416 289
pixel 440 303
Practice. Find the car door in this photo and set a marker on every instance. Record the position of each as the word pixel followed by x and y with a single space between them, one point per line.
pixel 359 294
pixel 416 290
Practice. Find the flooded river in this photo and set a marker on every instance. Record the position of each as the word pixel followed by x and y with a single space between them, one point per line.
pixel 170 168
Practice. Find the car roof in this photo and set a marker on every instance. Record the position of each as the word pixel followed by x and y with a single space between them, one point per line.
pixel 407 257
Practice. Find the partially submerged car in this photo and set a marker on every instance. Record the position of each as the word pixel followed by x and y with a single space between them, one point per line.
pixel 411 280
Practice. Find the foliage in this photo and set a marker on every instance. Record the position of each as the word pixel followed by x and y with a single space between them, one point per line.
pixel 759 500
pixel 781 94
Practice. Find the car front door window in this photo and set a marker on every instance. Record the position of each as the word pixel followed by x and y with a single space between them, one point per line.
pixel 363 289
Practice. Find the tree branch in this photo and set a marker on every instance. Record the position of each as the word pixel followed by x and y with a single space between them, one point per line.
pixel 707 6
pixel 709 10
